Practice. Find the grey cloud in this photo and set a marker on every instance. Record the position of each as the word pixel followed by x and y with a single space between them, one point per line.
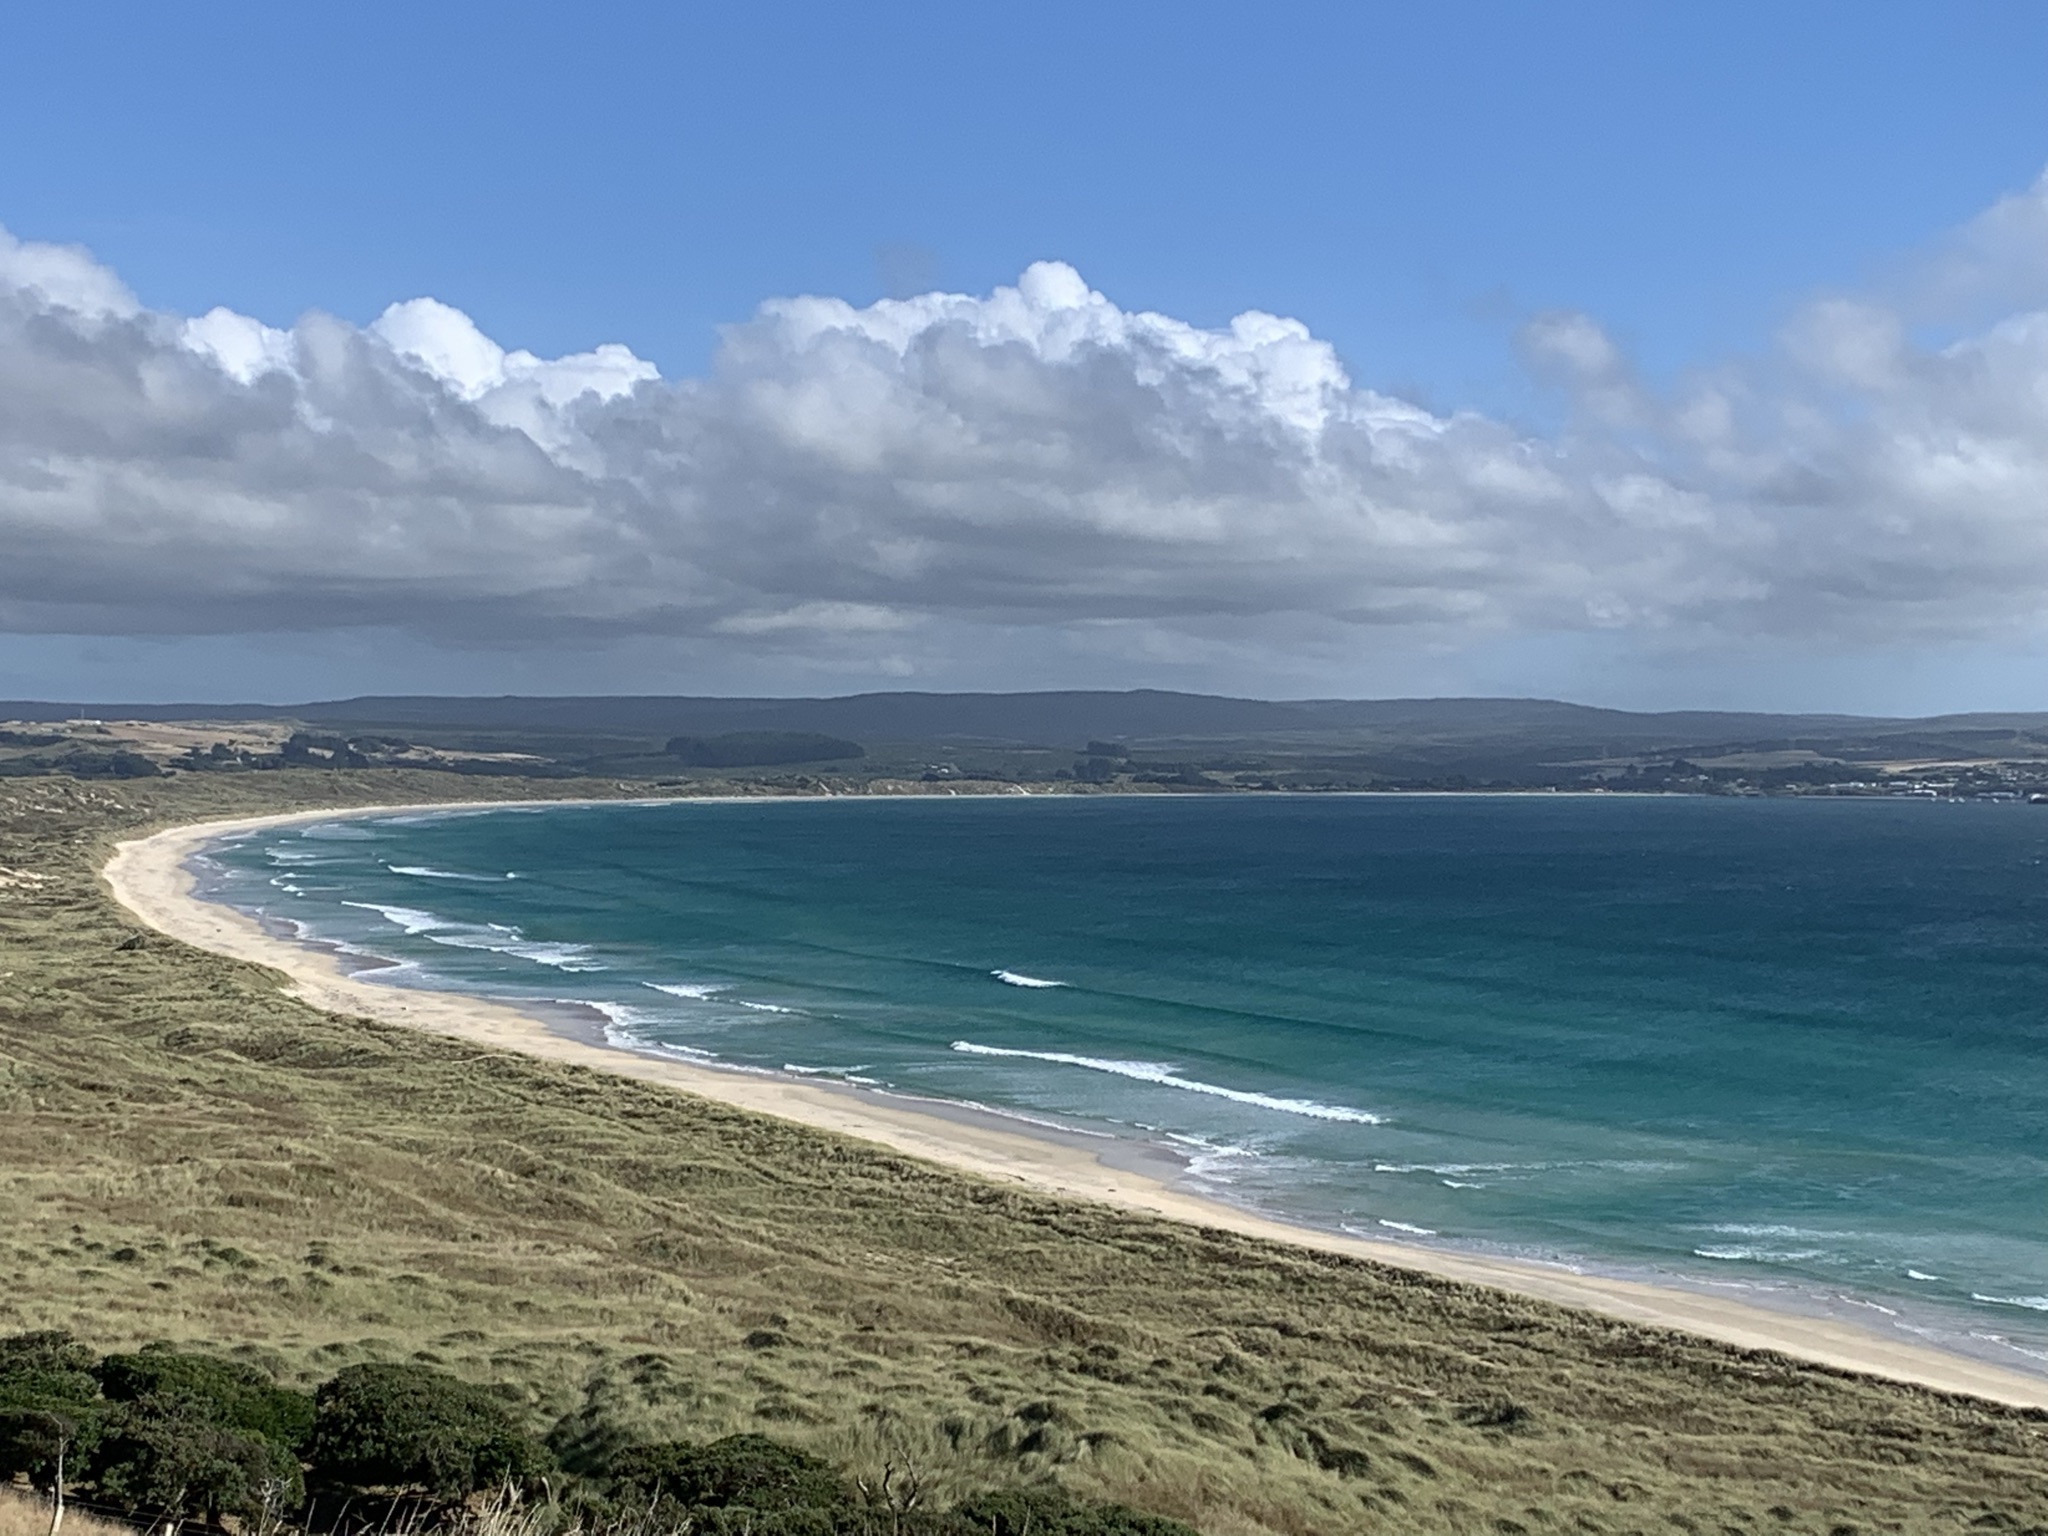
pixel 1034 460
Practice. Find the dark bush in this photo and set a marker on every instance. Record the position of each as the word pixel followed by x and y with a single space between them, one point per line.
pixel 740 1471
pixel 44 1356
pixel 760 749
pixel 49 1405
pixel 230 1394
pixel 107 765
pixel 1052 1511
pixel 167 1456
pixel 411 1428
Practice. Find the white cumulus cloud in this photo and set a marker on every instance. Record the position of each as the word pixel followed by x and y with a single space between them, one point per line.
pixel 1036 460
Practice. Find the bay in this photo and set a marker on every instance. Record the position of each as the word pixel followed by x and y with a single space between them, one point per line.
pixel 1790 1049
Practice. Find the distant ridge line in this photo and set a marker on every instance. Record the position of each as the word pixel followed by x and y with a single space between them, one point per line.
pixel 1065 717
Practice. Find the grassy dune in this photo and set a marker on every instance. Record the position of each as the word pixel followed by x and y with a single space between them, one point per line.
pixel 186 1154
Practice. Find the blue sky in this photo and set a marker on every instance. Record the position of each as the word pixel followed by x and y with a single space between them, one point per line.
pixel 1416 185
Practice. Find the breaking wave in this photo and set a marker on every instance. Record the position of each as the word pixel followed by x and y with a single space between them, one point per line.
pixel 1166 1077
pixel 695 991
pixel 428 872
pixel 2031 1303
pixel 493 937
pixel 1019 979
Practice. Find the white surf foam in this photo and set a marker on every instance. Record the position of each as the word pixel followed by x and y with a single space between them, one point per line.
pixel 622 1028
pixel 1750 1255
pixel 411 919
pixel 1019 979
pixel 1408 1227
pixel 2031 1303
pixel 563 957
pixel 695 991
pixel 338 832
pixel 493 937
pixel 764 1007
pixel 1164 1076
pixel 1212 1160
pixel 428 872
pixel 1915 1274
pixel 1450 1168
pixel 624 1015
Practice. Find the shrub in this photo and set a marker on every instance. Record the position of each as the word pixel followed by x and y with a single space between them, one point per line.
pixel 169 1456
pixel 228 1393
pixel 411 1428
pixel 108 765
pixel 740 1471
pixel 1052 1511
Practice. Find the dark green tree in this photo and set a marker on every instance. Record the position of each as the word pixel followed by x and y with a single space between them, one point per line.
pixel 49 1405
pixel 229 1393
pixel 168 1457
pixel 408 1428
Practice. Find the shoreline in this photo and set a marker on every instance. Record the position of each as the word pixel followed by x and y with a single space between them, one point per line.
pixel 149 876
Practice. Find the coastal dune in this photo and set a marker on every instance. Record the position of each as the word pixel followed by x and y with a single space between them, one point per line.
pixel 150 876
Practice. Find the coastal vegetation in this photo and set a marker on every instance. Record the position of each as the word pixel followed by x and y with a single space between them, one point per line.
pixel 167 1436
pixel 200 1168
pixel 747 749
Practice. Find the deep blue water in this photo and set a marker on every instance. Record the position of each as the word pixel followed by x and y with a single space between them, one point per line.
pixel 1797 1048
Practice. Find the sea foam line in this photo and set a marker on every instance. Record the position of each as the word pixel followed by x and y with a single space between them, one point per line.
pixel 2031 1303
pixel 428 872
pixel 1165 1077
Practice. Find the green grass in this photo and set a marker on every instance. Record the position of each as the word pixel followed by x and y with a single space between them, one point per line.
pixel 187 1154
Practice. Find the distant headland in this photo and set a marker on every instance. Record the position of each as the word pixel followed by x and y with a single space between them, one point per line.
pixel 1142 740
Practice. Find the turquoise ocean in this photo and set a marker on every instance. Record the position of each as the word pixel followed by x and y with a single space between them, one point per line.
pixel 1789 1051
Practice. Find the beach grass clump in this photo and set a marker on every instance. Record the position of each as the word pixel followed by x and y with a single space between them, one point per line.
pixel 193 1156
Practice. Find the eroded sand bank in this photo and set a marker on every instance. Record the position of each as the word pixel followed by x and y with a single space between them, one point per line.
pixel 150 877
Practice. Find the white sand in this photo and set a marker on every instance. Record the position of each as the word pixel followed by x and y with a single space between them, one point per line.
pixel 149 877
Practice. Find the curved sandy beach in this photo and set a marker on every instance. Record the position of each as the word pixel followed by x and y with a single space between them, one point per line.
pixel 149 876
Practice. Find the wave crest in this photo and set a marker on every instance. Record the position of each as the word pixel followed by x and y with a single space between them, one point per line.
pixel 1165 1077
pixel 1019 979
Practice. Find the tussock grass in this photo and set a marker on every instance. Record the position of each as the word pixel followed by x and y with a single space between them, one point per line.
pixel 186 1154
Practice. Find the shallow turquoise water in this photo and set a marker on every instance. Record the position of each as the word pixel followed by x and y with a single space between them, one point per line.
pixel 1794 1048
